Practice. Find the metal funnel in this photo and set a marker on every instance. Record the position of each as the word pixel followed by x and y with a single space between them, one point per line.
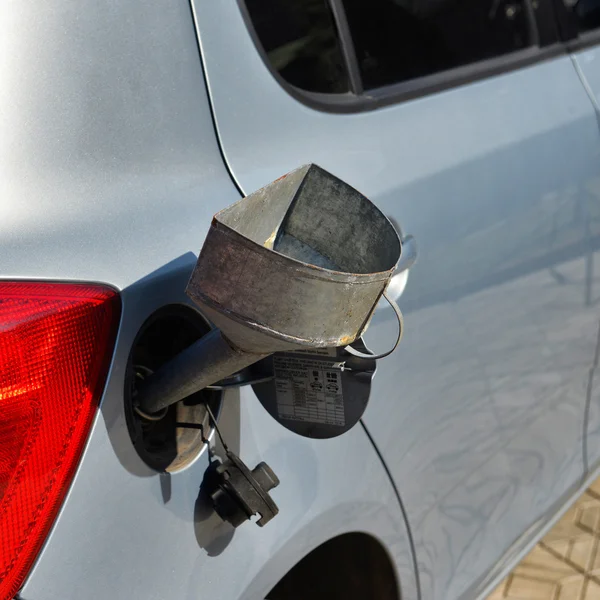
pixel 299 263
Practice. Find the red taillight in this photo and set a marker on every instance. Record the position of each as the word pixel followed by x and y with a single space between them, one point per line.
pixel 56 341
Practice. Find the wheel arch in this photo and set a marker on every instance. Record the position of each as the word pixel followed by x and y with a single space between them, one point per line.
pixel 350 565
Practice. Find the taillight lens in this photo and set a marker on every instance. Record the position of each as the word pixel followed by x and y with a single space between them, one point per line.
pixel 56 341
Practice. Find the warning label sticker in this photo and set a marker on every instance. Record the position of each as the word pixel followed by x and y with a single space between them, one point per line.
pixel 319 351
pixel 308 390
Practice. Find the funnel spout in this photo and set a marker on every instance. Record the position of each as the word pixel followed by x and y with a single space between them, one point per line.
pixel 210 359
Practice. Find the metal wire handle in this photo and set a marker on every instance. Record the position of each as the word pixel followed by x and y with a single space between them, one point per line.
pixel 400 318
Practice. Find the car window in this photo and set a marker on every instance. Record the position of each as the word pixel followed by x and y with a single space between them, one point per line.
pixel 301 42
pixel 397 40
pixel 393 40
pixel 585 14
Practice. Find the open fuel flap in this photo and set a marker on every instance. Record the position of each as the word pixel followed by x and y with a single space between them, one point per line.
pixel 289 277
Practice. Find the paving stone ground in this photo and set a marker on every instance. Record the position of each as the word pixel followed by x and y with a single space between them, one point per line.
pixel 565 565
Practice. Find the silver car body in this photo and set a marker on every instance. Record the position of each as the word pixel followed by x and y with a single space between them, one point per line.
pixel 127 125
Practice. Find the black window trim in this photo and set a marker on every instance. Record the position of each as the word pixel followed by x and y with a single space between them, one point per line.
pixel 583 40
pixel 347 47
pixel 356 100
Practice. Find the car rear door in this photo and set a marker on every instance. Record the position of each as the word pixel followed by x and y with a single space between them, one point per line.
pixel 472 130
pixel 579 23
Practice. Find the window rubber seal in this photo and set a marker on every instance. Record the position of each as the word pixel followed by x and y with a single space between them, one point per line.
pixel 585 40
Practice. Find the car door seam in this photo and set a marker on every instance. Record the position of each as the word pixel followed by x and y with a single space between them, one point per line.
pixel 402 509
pixel 586 86
pixel 211 107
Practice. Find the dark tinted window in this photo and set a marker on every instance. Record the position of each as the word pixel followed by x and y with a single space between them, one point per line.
pixel 585 14
pixel 397 40
pixel 300 39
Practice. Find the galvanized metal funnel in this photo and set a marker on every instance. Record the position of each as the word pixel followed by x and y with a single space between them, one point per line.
pixel 301 263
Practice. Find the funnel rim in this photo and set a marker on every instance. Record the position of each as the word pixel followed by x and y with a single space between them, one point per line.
pixel 315 270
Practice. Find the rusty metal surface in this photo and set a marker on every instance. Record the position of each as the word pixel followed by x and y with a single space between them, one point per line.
pixel 302 262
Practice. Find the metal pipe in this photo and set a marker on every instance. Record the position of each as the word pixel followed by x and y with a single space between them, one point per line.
pixel 208 360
